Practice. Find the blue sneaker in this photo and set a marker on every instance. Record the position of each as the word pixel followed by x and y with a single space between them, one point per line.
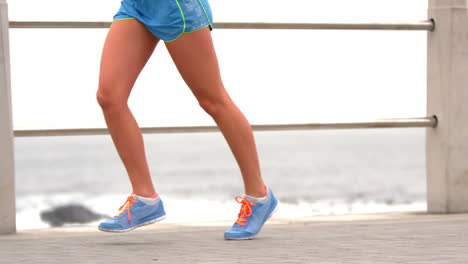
pixel 133 214
pixel 251 217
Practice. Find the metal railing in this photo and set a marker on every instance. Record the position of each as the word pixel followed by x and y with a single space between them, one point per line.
pixel 380 123
pixel 427 25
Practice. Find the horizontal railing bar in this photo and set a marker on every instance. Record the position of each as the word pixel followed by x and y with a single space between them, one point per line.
pixel 420 25
pixel 380 123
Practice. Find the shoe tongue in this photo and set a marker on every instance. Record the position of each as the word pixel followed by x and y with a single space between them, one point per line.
pixel 136 197
pixel 256 200
pixel 148 201
pixel 250 199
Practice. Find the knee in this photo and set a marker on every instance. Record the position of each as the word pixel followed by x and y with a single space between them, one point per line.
pixel 110 101
pixel 213 105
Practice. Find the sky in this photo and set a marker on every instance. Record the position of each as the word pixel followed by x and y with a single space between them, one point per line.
pixel 274 76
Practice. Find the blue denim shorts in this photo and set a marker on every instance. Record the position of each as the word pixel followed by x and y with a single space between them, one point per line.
pixel 168 19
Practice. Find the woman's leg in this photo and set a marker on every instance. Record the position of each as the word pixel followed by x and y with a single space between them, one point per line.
pixel 127 48
pixel 195 58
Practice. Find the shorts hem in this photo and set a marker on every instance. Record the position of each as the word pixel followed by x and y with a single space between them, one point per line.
pixel 125 18
pixel 198 29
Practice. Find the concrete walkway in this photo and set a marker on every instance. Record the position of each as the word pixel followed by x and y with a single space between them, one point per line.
pixel 375 238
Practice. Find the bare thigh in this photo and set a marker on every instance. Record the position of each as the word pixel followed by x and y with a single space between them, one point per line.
pixel 127 48
pixel 196 60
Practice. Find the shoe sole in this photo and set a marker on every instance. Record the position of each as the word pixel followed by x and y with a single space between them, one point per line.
pixel 134 227
pixel 248 238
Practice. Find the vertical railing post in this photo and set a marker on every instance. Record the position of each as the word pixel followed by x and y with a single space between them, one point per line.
pixel 447 98
pixel 7 175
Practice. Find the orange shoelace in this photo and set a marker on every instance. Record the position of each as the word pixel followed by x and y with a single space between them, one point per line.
pixel 126 207
pixel 246 210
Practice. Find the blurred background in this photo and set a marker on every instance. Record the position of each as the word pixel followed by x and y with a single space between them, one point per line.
pixel 275 77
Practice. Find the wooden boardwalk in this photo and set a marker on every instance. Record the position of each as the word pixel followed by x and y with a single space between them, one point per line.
pixel 374 238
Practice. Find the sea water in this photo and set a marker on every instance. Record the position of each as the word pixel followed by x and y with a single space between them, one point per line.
pixel 311 172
